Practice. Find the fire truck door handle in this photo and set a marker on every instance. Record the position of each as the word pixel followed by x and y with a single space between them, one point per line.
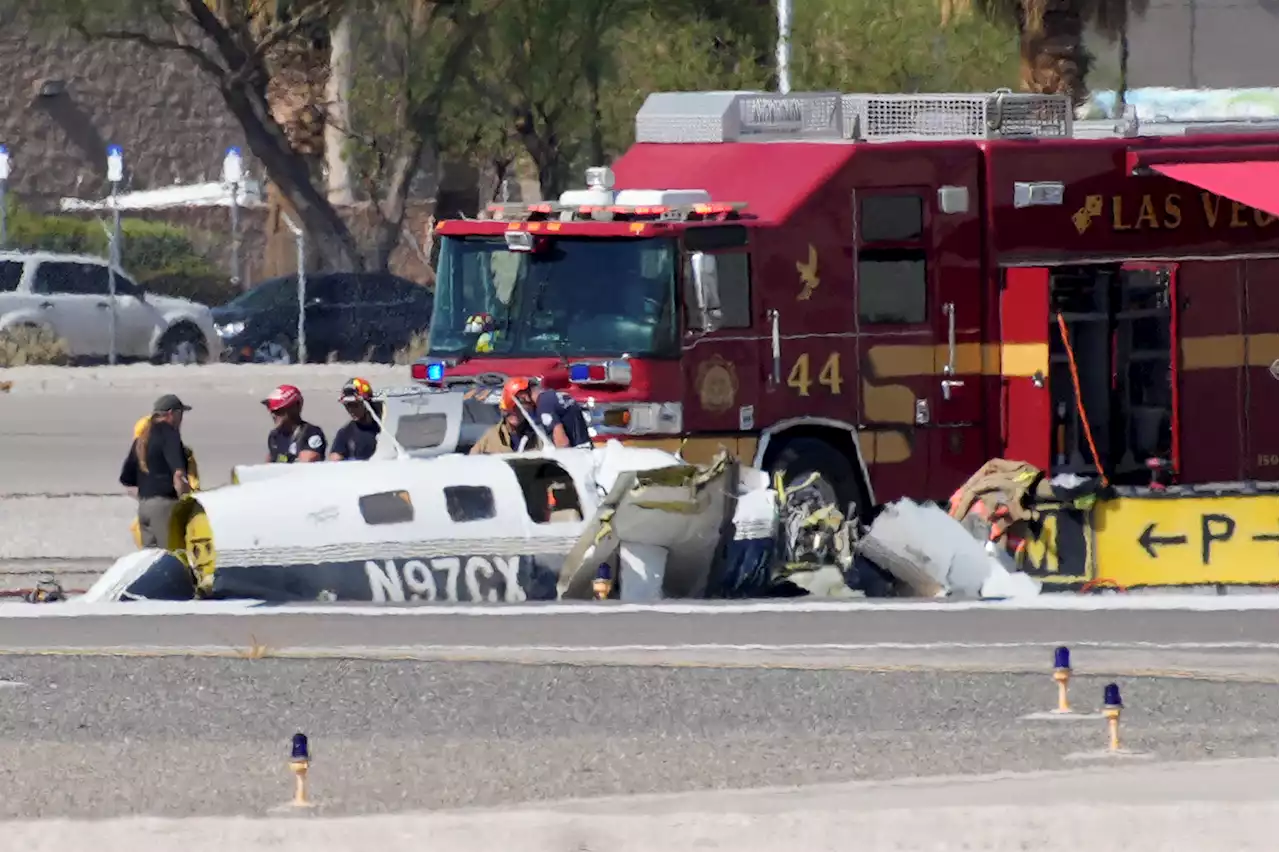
pixel 775 342
pixel 949 369
pixel 949 310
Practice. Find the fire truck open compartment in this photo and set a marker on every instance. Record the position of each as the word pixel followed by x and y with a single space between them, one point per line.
pixel 1118 324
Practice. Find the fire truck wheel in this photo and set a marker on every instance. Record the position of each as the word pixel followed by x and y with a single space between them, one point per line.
pixel 837 481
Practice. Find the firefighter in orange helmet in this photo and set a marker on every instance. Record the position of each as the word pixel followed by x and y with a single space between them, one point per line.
pixel 357 440
pixel 511 434
pixel 557 414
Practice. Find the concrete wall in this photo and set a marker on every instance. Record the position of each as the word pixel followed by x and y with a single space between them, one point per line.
pixel 171 123
pixel 1214 44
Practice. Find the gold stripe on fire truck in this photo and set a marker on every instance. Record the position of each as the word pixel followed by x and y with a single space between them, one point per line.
pixel 1219 351
pixel 987 359
pixel 1026 359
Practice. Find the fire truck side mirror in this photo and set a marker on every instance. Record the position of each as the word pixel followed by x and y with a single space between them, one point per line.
pixel 705 285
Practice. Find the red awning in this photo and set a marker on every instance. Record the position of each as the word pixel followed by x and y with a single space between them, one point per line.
pixel 1252 182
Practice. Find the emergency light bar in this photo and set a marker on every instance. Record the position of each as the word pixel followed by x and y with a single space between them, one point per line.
pixel 600 373
pixel 428 371
pixel 715 210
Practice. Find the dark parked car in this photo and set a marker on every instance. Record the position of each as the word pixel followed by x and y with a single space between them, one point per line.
pixel 349 316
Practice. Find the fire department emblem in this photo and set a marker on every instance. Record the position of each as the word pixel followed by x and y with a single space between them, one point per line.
pixel 808 275
pixel 1084 217
pixel 717 384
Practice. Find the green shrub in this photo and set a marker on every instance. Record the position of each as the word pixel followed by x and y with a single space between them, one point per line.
pixel 27 345
pixel 155 246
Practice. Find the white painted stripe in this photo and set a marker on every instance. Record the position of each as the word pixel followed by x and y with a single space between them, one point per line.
pixel 11 684
pixel 834 646
pixel 597 651
pixel 1047 602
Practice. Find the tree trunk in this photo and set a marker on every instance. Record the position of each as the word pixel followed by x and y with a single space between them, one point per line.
pixel 338 118
pixel 1054 59
pixel 597 120
pixel 290 173
pixel 391 210
pixel 1122 90
pixel 295 96
pixel 954 11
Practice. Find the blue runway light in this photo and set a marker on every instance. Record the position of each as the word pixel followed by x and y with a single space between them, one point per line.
pixel 299 751
pixel 435 371
pixel 1061 657
pixel 1111 696
pixel 602 586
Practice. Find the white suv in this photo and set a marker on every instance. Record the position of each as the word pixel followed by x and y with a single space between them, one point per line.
pixel 69 295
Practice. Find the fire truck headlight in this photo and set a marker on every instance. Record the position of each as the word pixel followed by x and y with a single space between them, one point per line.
pixel 649 418
pixel 617 418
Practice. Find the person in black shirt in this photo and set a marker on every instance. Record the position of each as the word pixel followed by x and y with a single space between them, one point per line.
pixel 292 439
pixel 155 470
pixel 357 440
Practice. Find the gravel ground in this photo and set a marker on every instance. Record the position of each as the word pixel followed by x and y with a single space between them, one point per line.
pixel 187 737
pixel 42 527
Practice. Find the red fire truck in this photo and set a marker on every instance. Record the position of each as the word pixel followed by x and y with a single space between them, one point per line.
pixel 888 290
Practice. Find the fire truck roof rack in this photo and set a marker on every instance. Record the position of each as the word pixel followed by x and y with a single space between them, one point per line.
pixel 682 117
pixel 829 116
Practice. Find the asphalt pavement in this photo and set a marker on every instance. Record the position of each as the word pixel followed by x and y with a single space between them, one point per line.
pixel 184 737
pixel 1240 643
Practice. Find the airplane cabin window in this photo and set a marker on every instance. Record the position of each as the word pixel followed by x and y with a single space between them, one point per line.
pixel 387 507
pixel 549 493
pixel 469 503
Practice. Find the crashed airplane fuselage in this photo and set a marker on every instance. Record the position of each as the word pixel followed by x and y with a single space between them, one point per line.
pixel 500 528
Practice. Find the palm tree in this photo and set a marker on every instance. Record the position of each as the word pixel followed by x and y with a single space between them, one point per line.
pixel 296 94
pixel 1051 37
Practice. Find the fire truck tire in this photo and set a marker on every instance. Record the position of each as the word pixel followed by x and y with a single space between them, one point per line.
pixel 799 457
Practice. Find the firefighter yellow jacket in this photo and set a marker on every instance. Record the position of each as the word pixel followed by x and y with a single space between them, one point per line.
pixel 193 474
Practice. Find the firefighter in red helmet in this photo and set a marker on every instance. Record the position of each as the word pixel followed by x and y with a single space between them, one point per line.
pixel 291 438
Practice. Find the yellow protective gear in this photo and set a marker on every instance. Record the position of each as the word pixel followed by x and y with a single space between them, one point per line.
pixel 193 475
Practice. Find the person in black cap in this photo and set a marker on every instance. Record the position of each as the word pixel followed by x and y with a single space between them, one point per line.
pixel 155 470
pixel 358 439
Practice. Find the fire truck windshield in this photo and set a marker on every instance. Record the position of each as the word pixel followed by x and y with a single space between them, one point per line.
pixel 573 296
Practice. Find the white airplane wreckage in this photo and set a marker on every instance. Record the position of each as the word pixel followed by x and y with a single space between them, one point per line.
pixel 423 522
